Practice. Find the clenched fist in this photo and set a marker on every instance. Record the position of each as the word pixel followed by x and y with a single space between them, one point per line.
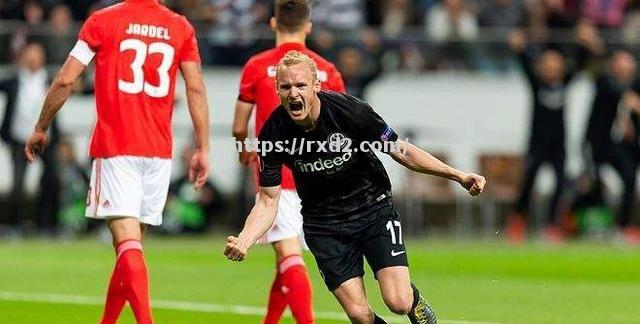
pixel 236 249
pixel 474 183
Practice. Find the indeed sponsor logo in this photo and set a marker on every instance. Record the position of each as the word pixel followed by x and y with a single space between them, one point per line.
pixel 322 164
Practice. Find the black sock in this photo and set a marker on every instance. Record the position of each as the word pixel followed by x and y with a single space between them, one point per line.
pixel 378 320
pixel 423 315
pixel 416 296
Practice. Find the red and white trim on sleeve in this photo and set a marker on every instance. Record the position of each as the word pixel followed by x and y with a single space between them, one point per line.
pixel 82 52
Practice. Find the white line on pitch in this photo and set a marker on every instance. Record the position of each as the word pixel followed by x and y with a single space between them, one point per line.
pixel 179 305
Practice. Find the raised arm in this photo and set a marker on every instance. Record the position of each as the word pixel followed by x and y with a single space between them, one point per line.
pixel 58 93
pixel 257 224
pixel 420 161
pixel 517 41
pixel 199 111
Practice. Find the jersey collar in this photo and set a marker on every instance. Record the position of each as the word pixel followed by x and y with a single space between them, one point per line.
pixel 144 1
pixel 291 47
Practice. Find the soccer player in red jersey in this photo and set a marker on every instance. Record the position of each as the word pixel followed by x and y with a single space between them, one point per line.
pixel 138 46
pixel 258 88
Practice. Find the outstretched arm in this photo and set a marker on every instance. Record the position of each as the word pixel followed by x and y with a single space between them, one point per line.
pixel 58 93
pixel 420 161
pixel 199 111
pixel 257 224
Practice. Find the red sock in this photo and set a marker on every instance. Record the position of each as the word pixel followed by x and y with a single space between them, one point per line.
pixel 130 282
pixel 297 288
pixel 115 298
pixel 277 301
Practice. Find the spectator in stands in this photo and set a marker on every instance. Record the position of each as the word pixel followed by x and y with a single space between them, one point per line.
pixel 498 17
pixel 189 210
pixel 32 30
pixel 501 14
pixel 355 74
pixel 612 82
pixel 397 15
pixel 451 20
pixel 231 35
pixel 11 9
pixel 61 34
pixel 450 24
pixel 550 14
pixel 339 15
pixel 75 183
pixel 605 14
pixel 24 93
pixel 548 79
pixel 324 43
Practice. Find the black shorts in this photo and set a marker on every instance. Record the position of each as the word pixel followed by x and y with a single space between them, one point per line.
pixel 340 257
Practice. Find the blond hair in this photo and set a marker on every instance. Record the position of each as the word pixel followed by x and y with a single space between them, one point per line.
pixel 294 58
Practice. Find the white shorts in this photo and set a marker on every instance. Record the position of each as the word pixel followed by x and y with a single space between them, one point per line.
pixel 288 221
pixel 129 186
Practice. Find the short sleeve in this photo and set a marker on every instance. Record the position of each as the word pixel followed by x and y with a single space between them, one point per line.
pixel 370 125
pixel 190 52
pixel 91 33
pixel 248 81
pixel 335 82
pixel 270 163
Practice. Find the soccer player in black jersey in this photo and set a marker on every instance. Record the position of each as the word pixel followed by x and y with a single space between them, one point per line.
pixel 347 209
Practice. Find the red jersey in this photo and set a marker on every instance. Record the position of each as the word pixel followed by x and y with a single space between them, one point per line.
pixel 257 86
pixel 138 47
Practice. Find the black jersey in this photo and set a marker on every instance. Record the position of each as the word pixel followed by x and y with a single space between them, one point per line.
pixel 340 184
pixel 603 112
pixel 549 101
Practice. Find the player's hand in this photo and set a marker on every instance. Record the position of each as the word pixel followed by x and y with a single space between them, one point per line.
pixel 246 158
pixel 35 145
pixel 236 249
pixel 474 183
pixel 199 169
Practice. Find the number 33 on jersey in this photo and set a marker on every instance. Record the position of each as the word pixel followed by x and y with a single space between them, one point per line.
pixel 137 53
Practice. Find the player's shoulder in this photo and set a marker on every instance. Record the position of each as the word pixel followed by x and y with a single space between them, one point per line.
pixel 267 57
pixel 342 104
pixel 342 99
pixel 107 12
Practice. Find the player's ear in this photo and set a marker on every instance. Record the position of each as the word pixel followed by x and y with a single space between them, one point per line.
pixel 308 27
pixel 316 85
pixel 273 23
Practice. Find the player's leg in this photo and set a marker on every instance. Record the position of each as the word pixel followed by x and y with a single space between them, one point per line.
pixel 383 246
pixel 402 297
pixel 341 266
pixel 128 281
pixel 291 285
pixel 115 194
pixel 516 226
pixel 277 297
pixel 352 297
pixel 553 231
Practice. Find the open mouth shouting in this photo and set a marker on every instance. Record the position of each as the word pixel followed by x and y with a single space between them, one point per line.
pixel 296 107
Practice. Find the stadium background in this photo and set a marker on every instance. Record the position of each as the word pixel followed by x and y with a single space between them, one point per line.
pixel 459 94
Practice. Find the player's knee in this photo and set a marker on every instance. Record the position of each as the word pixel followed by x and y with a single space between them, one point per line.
pixel 360 314
pixel 399 304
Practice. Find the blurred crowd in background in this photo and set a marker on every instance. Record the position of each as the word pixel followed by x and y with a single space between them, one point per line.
pixel 411 35
pixel 366 39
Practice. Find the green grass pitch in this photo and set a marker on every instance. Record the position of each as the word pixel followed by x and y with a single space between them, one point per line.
pixel 466 282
